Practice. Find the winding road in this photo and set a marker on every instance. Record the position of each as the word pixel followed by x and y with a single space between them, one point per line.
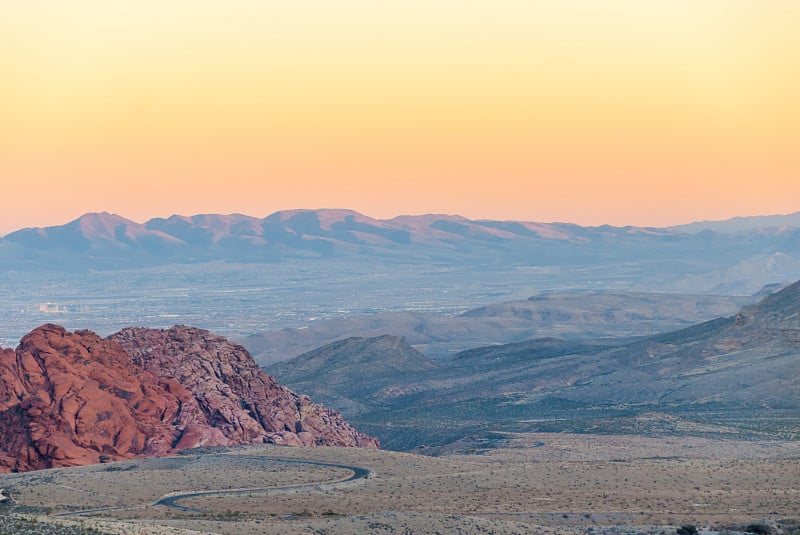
pixel 172 499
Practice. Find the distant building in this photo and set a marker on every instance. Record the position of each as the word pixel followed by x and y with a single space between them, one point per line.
pixel 52 308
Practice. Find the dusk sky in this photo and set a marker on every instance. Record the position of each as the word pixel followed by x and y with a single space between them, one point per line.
pixel 643 112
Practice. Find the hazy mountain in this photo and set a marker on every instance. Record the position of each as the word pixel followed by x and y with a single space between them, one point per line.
pixel 568 315
pixel 377 363
pixel 97 240
pixel 640 258
pixel 746 276
pixel 743 224
pixel 741 370
pixel 320 232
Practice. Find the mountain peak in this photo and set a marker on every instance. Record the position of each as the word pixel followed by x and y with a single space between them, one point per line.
pixel 104 226
pixel 314 220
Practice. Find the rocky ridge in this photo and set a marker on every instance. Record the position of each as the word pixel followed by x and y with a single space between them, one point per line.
pixel 70 399
pixel 236 396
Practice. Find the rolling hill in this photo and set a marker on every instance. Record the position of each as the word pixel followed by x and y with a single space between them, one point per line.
pixel 743 370
pixel 569 315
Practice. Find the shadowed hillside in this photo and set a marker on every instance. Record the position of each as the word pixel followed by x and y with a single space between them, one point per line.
pixel 364 368
pixel 740 371
pixel 570 315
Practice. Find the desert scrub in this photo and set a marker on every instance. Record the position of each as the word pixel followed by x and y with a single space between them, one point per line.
pixel 23 525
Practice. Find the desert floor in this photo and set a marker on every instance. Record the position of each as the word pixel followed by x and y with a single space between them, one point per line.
pixel 538 483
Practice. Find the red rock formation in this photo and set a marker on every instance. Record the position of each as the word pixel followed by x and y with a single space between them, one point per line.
pixel 235 395
pixel 69 399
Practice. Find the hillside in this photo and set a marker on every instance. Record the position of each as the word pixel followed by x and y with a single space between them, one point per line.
pixel 363 368
pixel 569 315
pixel 741 370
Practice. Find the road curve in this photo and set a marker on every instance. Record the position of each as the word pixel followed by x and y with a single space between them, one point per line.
pixel 359 472
pixel 172 499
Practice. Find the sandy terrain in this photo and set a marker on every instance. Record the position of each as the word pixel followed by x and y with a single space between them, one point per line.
pixel 543 483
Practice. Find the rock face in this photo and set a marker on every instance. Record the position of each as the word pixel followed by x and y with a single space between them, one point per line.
pixel 70 399
pixel 234 395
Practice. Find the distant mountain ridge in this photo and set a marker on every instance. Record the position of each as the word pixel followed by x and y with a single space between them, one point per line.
pixel 105 225
pixel 647 259
pixel 284 227
pixel 110 241
pixel 743 224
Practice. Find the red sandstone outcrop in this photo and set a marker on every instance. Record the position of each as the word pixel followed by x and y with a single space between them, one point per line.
pixel 234 394
pixel 70 399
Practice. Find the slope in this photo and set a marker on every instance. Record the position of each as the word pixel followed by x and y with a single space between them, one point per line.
pixel 742 370
pixel 361 368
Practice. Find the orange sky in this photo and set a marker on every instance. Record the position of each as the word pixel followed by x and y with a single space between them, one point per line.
pixel 621 112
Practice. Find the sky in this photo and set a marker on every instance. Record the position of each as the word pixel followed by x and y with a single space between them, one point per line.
pixel 651 113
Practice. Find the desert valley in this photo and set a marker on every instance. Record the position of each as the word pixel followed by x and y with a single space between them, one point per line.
pixel 427 267
pixel 598 404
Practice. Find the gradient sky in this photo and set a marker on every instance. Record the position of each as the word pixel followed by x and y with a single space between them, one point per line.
pixel 639 112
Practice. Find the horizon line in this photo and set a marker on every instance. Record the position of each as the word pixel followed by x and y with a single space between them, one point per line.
pixel 428 214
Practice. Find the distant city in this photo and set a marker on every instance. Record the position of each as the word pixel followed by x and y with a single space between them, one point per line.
pixel 236 275
pixel 239 299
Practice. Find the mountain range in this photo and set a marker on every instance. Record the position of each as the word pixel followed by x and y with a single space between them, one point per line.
pixel 109 241
pixel 736 374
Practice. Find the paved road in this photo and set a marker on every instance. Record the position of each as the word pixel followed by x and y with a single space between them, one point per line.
pixel 172 499
pixel 358 473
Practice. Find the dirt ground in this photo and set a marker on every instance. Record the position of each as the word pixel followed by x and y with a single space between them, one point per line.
pixel 540 483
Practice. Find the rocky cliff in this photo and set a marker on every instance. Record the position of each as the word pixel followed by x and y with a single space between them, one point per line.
pixel 74 398
pixel 234 395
